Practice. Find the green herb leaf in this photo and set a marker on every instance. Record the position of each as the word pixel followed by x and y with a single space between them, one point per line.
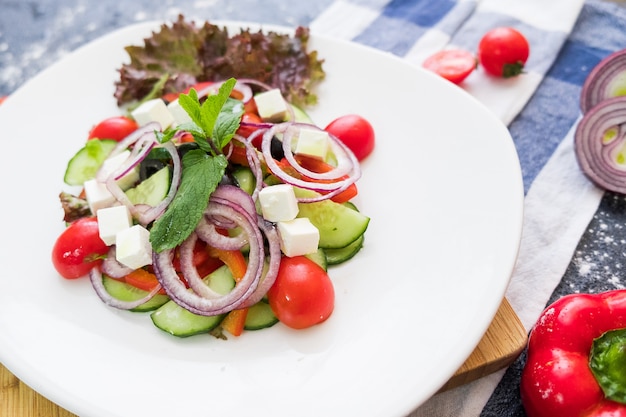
pixel 201 175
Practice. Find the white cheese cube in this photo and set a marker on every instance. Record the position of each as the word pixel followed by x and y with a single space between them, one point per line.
pixel 271 105
pixel 98 195
pixel 110 165
pixel 278 203
pixel 112 220
pixel 298 237
pixel 180 115
pixel 312 143
pixel 153 110
pixel 132 247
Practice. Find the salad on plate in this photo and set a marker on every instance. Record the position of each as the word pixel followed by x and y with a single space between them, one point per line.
pixel 213 202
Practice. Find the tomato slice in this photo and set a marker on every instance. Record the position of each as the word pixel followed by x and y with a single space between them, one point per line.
pixel 455 65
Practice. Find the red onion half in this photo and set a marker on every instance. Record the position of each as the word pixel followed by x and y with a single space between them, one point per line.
pixel 606 80
pixel 600 144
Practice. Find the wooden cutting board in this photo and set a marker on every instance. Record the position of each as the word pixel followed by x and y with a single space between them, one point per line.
pixel 503 342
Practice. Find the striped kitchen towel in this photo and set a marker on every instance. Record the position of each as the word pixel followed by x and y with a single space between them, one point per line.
pixel 568 38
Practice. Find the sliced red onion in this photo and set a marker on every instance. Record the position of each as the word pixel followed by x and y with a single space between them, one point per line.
pixel 111 267
pixel 606 80
pixel 600 144
pixel 193 301
pixel 147 216
pixel 275 254
pixel 95 276
pixel 346 174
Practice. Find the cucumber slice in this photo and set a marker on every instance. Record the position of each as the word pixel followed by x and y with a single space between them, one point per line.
pixel 176 320
pixel 339 225
pixel 300 115
pixel 152 190
pixel 245 179
pixel 260 316
pixel 86 162
pixel 319 258
pixel 339 255
pixel 126 292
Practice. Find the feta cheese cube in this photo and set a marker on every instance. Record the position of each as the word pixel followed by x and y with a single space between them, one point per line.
pixel 113 163
pixel 153 110
pixel 271 105
pixel 312 143
pixel 278 203
pixel 298 236
pixel 98 195
pixel 132 247
pixel 112 220
pixel 180 115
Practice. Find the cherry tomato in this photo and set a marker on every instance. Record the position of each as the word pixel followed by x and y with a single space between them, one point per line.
pixel 78 249
pixel 303 294
pixel 452 64
pixel 503 52
pixel 116 128
pixel 355 132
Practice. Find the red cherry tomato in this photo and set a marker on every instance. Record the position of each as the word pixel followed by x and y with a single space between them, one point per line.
pixel 355 132
pixel 116 128
pixel 452 64
pixel 303 294
pixel 503 52
pixel 78 249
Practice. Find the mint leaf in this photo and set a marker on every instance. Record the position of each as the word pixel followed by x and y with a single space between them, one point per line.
pixel 201 175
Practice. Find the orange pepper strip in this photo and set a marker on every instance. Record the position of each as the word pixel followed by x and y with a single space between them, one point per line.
pixel 236 319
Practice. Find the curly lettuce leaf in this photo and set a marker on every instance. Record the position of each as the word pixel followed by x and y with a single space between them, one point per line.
pixel 187 54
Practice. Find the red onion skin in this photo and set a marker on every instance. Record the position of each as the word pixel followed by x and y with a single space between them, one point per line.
pixel 593 154
pixel 595 89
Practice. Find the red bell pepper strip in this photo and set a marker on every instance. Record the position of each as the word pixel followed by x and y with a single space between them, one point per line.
pixel 236 319
pixel 576 358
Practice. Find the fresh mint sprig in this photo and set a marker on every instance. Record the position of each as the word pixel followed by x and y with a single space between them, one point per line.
pixel 214 123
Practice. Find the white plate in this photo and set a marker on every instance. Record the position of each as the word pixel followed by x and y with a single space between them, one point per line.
pixel 444 192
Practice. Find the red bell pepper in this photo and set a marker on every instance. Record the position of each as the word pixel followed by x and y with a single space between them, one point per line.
pixel 576 358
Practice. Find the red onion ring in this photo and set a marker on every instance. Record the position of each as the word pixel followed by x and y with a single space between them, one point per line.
pixel 95 277
pixel 111 267
pixel 348 165
pixel 607 79
pixel 596 153
pixel 191 300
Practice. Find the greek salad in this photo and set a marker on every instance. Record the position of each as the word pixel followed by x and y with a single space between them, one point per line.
pixel 217 208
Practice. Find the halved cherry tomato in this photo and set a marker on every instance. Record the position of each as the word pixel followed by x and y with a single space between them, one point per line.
pixel 116 128
pixel 503 52
pixel 78 249
pixel 455 65
pixel 355 132
pixel 302 295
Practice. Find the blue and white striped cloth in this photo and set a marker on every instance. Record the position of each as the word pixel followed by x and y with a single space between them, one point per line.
pixel 568 38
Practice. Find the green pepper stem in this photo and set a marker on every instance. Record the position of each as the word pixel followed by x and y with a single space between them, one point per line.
pixel 607 361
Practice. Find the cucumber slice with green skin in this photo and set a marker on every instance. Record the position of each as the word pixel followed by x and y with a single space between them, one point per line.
pixel 339 225
pixel 152 190
pixel 86 162
pixel 126 292
pixel 260 316
pixel 176 320
pixel 319 258
pixel 245 179
pixel 339 255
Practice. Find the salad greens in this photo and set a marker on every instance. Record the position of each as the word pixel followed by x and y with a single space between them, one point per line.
pixel 188 54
